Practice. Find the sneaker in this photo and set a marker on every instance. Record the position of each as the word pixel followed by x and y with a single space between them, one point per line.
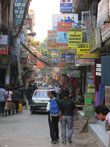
pixel 53 142
pixel 63 142
pixel 69 140
pixel 57 140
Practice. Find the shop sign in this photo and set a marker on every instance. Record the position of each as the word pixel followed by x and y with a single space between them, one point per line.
pixel 66 6
pixel 62 51
pixel 75 37
pixel 4 49
pixel 19 6
pixel 64 26
pixel 98 69
pixel 3 39
pixel 64 18
pixel 88 56
pixel 51 44
pixel 40 64
pixel 84 62
pixel 52 35
pixel 62 39
pixel 83 48
pixel 105 32
pixel 35 43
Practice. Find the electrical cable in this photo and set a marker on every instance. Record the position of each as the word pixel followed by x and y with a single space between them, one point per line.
pixel 24 46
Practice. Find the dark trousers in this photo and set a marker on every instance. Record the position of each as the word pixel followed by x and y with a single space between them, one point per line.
pixel 2 107
pixel 53 125
pixel 17 105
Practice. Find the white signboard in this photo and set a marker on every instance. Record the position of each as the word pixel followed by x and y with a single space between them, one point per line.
pixel 3 39
pixel 64 18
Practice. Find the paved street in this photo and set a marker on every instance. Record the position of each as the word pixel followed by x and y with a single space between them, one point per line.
pixel 26 130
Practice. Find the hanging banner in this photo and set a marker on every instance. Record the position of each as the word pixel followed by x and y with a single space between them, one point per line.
pixel 64 18
pixel 64 26
pixel 62 39
pixel 19 6
pixel 66 6
pixel 83 48
pixel 75 37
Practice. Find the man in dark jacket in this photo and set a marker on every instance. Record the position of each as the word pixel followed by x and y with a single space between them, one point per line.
pixel 66 117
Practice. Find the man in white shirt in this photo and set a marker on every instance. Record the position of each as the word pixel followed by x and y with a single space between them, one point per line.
pixel 103 113
pixel 2 100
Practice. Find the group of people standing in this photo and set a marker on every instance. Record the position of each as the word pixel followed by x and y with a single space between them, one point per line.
pixel 61 111
pixel 10 100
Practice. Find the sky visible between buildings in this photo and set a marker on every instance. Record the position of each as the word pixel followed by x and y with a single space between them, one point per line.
pixel 43 16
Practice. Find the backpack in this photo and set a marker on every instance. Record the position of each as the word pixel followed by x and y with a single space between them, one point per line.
pixel 54 109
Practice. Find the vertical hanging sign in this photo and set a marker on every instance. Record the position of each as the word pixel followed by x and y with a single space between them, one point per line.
pixel 19 6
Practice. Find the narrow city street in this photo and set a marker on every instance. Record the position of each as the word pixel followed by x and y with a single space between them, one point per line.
pixel 26 130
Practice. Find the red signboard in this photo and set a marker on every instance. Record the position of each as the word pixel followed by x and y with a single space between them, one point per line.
pixel 64 26
pixel 40 64
pixel 4 49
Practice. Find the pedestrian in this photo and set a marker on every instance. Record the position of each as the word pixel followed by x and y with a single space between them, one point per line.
pixel 9 100
pixel 53 117
pixel 103 113
pixel 2 100
pixel 16 98
pixel 30 91
pixel 66 117
pixel 57 89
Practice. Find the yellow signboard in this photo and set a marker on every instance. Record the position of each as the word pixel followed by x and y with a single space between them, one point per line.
pixel 83 48
pixel 88 56
pixel 75 37
pixel 35 43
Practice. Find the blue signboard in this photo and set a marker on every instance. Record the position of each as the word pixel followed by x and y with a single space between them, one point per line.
pixel 62 37
pixel 65 7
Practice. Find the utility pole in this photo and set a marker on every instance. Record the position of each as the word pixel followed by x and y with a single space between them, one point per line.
pixel 11 13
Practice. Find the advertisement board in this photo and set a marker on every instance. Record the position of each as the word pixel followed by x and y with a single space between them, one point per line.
pixel 66 6
pixel 62 39
pixel 84 62
pixel 64 26
pixel 3 49
pixel 88 56
pixel 75 37
pixel 35 43
pixel 64 18
pixel 19 6
pixel 40 64
pixel 51 44
pixel 83 48
pixel 52 35
pixel 3 39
